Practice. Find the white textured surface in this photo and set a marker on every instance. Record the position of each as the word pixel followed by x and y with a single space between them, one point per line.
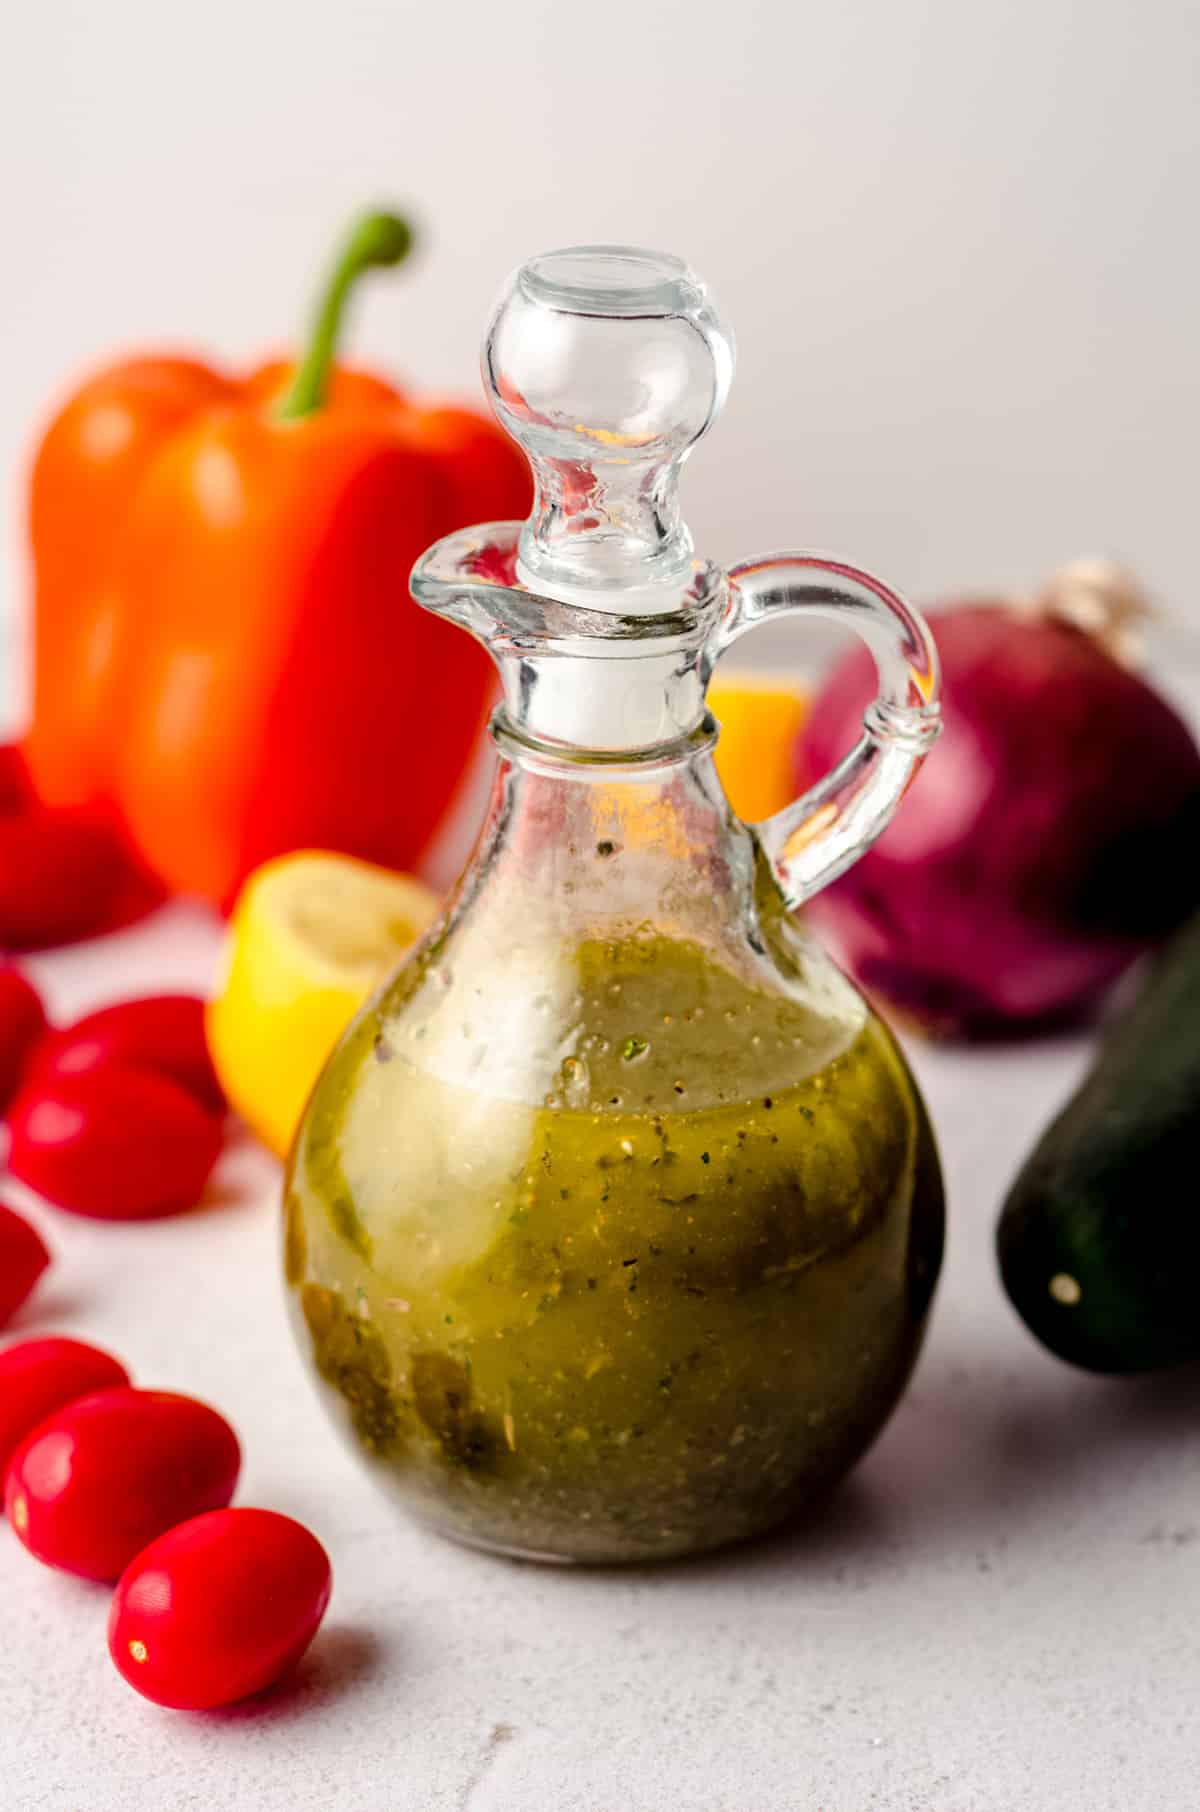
pixel 999 1611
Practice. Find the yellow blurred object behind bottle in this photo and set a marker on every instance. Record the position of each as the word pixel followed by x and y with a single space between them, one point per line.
pixel 761 715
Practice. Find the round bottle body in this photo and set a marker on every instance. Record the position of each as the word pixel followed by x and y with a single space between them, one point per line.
pixel 617 1253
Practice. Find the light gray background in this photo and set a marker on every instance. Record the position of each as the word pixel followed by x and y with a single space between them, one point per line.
pixel 957 241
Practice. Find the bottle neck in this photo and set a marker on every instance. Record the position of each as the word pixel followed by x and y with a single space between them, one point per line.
pixel 624 704
pixel 571 763
pixel 611 673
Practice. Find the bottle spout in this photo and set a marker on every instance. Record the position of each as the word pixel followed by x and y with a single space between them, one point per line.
pixel 606 365
pixel 554 657
pixel 474 578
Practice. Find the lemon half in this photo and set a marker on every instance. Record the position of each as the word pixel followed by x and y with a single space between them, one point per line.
pixel 310 936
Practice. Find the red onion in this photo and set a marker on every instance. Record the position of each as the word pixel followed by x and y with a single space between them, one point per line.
pixel 1051 838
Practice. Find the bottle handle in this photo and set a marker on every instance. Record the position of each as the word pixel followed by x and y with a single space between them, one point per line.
pixel 820 835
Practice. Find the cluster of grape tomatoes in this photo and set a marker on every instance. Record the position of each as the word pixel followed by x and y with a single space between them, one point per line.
pixel 120 1116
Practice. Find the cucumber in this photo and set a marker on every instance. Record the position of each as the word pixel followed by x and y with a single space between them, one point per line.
pixel 1099 1238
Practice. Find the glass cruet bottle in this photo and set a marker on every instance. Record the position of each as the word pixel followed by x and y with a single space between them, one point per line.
pixel 614 1218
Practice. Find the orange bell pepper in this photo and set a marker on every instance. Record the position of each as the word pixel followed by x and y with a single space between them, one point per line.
pixel 225 650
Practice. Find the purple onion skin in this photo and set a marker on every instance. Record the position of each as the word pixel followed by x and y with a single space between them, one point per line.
pixel 1051 838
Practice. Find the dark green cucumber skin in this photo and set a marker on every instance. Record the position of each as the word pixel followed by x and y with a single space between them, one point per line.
pixel 1111 1195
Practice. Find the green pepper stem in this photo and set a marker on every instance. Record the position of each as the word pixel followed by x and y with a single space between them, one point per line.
pixel 374 241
